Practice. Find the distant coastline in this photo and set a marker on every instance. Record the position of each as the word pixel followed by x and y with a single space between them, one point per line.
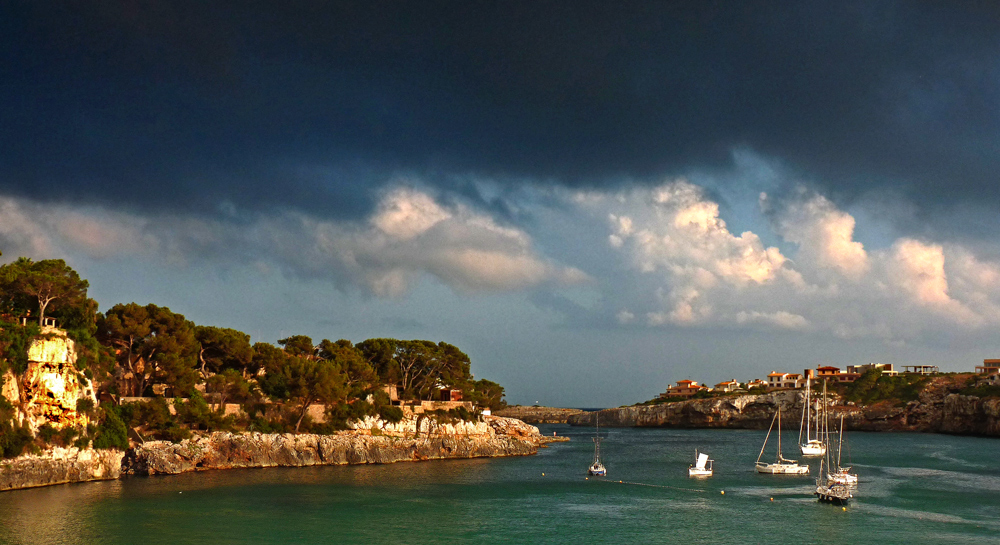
pixel 534 414
pixel 937 410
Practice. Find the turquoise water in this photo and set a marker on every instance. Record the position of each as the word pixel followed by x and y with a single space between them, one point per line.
pixel 914 488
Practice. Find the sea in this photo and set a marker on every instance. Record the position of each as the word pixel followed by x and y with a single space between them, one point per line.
pixel 914 488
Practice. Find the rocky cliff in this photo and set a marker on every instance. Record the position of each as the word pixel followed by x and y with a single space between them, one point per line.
pixel 539 415
pixel 501 437
pixel 491 438
pixel 937 411
pixel 746 411
pixel 50 389
pixel 59 466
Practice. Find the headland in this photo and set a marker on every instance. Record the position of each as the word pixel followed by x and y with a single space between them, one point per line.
pixel 938 407
pixel 491 437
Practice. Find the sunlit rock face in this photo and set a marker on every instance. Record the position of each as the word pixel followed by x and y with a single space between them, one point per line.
pixel 9 388
pixel 52 385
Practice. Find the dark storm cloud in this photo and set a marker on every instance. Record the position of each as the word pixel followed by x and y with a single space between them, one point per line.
pixel 174 104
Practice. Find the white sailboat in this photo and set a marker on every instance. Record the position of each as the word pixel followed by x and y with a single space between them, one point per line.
pixel 781 465
pixel 840 474
pixel 597 467
pixel 827 489
pixel 829 492
pixel 812 446
pixel 702 466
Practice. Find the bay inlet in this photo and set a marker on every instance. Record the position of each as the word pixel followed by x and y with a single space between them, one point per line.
pixel 915 488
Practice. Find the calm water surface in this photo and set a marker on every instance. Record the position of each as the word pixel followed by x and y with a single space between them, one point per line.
pixel 914 488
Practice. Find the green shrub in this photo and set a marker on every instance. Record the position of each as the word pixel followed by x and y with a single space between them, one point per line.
pixel 153 414
pixel 111 433
pixel 175 434
pixel 46 432
pixel 67 435
pixel 85 405
pixel 260 424
pixel 14 342
pixel 196 413
pixel 981 391
pixel 13 439
pixel 390 413
pixel 872 387
pixel 463 414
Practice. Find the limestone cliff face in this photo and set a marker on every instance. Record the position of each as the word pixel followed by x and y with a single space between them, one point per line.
pixel 9 388
pixel 539 415
pixel 59 466
pixel 415 426
pixel 747 411
pixel 491 438
pixel 502 437
pixel 51 386
pixel 937 411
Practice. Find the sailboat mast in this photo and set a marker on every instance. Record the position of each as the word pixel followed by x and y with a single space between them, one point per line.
pixel 597 439
pixel 779 433
pixel 768 436
pixel 825 433
pixel 840 442
pixel 808 411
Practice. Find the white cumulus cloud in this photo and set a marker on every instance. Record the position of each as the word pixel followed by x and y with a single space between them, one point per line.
pixel 825 235
pixel 409 235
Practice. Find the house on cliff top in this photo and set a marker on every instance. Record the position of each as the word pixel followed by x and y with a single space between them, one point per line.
pixel 683 388
pixel 727 386
pixel 989 367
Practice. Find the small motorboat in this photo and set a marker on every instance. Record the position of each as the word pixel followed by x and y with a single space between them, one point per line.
pixel 702 466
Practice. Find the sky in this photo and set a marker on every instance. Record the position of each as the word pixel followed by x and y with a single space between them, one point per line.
pixel 591 199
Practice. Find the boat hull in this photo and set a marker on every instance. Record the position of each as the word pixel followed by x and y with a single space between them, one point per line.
pixel 846 479
pixel 812 448
pixel 695 472
pixel 782 469
pixel 836 494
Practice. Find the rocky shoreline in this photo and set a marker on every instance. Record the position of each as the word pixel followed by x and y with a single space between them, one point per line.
pixel 497 437
pixel 936 411
pixel 539 415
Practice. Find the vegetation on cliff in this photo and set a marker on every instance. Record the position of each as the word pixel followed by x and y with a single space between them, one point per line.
pixel 872 387
pixel 148 351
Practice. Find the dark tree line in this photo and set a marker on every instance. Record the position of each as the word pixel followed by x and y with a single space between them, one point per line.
pixel 131 349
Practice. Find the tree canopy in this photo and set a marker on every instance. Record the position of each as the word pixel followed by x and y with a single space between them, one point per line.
pixel 153 344
pixel 358 373
pixel 223 348
pixel 41 286
pixel 419 367
pixel 131 347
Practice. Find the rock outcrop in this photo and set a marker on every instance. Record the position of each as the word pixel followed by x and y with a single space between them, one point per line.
pixel 539 415
pixel 937 410
pixel 60 466
pixel 51 387
pixel 418 425
pixel 492 437
pixel 746 411
pixel 502 437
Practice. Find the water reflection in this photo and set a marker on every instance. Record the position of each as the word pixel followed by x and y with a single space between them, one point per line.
pixel 55 514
